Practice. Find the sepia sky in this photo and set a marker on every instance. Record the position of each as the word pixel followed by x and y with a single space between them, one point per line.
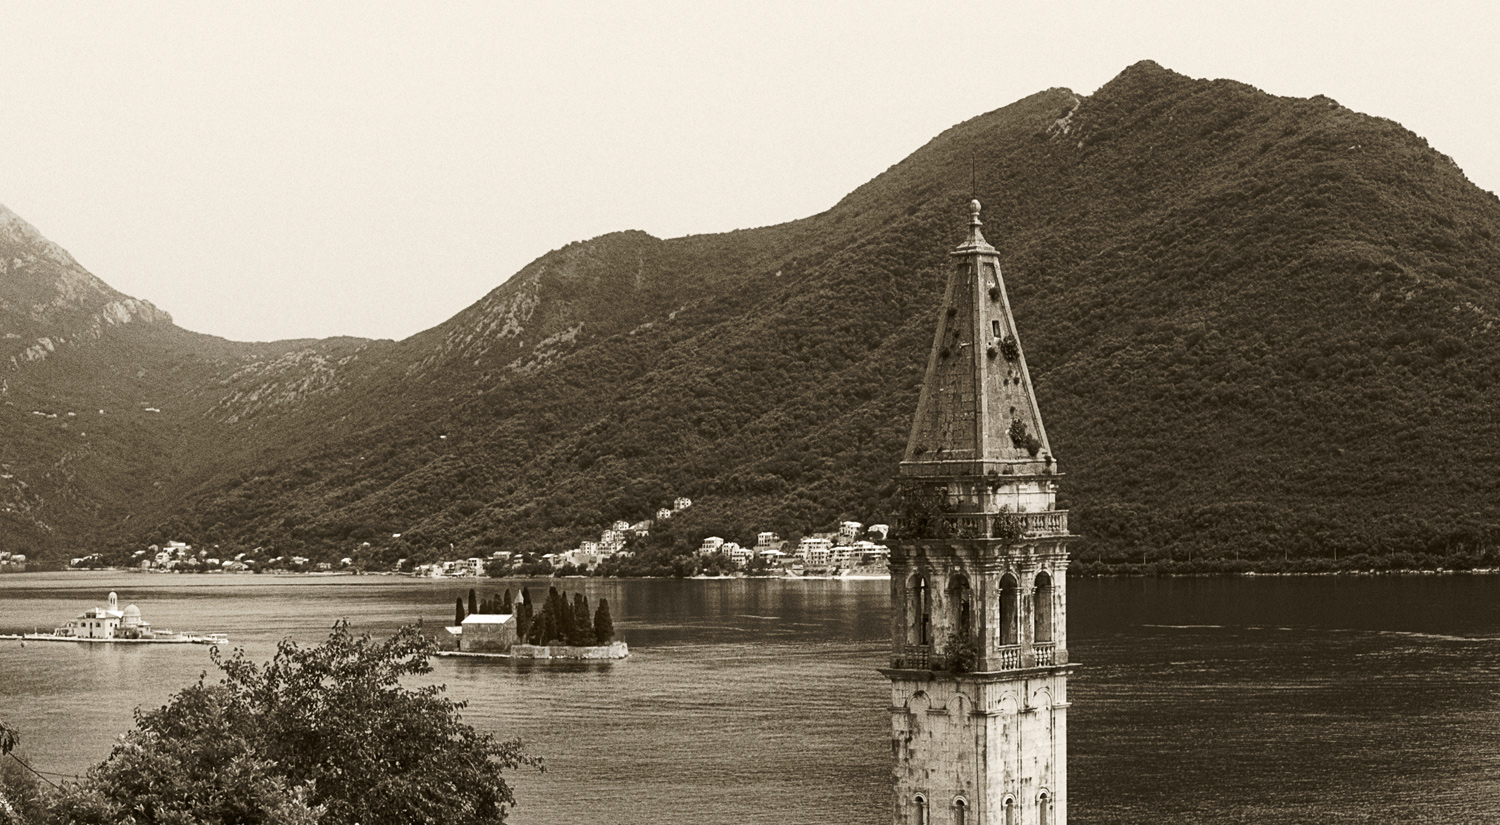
pixel 284 169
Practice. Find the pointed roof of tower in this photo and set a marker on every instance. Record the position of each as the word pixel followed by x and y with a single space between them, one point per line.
pixel 978 412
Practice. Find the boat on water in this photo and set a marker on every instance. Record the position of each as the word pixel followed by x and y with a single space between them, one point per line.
pixel 112 625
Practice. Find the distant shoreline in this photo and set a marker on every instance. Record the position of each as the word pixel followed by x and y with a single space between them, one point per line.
pixel 1135 571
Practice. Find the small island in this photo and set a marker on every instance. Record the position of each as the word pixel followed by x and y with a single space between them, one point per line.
pixel 112 625
pixel 562 628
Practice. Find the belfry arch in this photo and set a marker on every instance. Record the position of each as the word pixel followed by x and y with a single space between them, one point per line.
pixel 1010 612
pixel 922 611
pixel 961 607
pixel 1041 609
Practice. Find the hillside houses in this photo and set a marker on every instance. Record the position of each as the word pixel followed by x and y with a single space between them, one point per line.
pixel 472 566
pixel 851 546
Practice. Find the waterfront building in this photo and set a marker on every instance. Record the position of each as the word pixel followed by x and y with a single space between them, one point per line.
pixel 710 546
pixel 814 550
pixel 107 623
pixel 612 540
pixel 487 633
pixel 737 554
pixel 868 552
pixel 979 659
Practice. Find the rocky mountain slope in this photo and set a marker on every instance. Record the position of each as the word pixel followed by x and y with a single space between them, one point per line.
pixel 1260 327
pixel 47 300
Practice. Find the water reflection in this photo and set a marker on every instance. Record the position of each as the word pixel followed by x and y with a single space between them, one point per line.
pixel 1198 700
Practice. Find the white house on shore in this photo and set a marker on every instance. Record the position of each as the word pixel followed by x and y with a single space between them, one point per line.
pixel 710 546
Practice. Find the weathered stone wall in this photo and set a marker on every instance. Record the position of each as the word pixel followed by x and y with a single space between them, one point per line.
pixel 982 740
pixel 615 650
pixel 488 638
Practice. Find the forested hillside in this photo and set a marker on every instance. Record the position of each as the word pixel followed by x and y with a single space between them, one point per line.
pixel 1260 328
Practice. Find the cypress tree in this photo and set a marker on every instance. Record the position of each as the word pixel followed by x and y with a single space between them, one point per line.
pixel 564 620
pixel 523 620
pixel 550 612
pixel 473 605
pixel 506 606
pixel 458 610
pixel 583 625
pixel 547 628
pixel 526 596
pixel 604 626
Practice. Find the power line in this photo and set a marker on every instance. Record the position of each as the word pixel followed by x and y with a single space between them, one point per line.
pixel 37 772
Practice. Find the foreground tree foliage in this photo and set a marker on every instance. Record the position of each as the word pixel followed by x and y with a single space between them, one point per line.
pixel 19 794
pixel 326 734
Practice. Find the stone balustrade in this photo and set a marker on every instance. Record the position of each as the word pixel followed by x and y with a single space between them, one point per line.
pixel 985 525
pixel 915 657
pixel 920 657
pixel 1048 523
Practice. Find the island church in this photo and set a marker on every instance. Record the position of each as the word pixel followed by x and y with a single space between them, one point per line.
pixel 979 659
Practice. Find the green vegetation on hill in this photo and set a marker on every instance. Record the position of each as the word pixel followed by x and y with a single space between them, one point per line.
pixel 1261 328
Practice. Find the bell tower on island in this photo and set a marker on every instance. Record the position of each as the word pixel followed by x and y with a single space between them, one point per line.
pixel 979 659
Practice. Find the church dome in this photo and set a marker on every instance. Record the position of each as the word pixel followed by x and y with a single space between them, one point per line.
pixel 132 616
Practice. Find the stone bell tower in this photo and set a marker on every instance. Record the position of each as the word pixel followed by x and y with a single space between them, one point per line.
pixel 979 659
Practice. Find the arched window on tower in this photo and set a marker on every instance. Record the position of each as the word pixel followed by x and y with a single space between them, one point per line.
pixel 1042 610
pixel 1009 592
pixel 1044 808
pixel 921 803
pixel 1010 811
pixel 961 598
pixel 924 611
pixel 960 811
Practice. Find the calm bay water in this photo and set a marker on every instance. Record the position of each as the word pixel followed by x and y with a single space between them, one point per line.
pixel 1322 700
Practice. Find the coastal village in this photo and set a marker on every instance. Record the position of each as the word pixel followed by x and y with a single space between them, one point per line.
pixel 853 549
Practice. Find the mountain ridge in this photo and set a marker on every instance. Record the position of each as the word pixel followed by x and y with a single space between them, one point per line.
pixel 1237 307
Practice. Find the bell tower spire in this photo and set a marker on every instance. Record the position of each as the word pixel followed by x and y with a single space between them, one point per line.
pixel 979 660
